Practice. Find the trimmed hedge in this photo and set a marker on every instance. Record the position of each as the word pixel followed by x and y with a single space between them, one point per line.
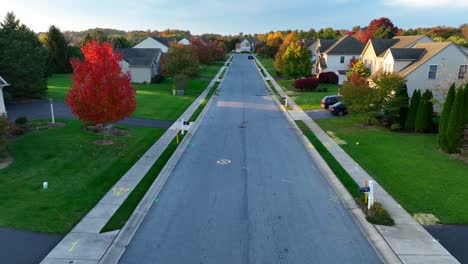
pixel 328 77
pixel 306 84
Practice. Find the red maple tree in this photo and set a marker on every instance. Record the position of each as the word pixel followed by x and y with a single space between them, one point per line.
pixel 101 92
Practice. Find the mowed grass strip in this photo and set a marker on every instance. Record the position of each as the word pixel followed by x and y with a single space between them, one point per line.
pixel 203 103
pixel 210 71
pixel 125 211
pixel 335 166
pixel 308 100
pixel 154 101
pixel 78 171
pixel 409 166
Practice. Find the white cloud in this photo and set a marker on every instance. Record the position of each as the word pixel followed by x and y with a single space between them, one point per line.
pixel 428 3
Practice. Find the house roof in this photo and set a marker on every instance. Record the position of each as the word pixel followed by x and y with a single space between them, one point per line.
pixel 308 42
pixel 346 45
pixel 165 41
pixel 464 49
pixel 406 41
pixel 381 45
pixel 251 40
pixel 324 44
pixel 140 57
pixel 406 54
pixel 3 83
pixel 430 50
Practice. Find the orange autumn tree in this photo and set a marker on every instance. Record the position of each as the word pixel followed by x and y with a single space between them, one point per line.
pixel 101 92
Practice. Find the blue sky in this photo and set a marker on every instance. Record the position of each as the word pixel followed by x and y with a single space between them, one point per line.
pixel 233 16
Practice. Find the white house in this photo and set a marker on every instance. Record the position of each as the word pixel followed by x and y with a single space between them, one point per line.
pixel 185 42
pixel 142 64
pixel 3 83
pixel 311 45
pixel 336 55
pixel 428 65
pixel 373 52
pixel 247 45
pixel 156 43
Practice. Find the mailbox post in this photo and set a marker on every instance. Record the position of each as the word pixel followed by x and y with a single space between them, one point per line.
pixel 182 127
pixel 52 110
pixel 369 191
pixel 285 101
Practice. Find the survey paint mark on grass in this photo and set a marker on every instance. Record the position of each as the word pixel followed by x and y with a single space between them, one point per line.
pixel 73 245
pixel 338 140
pixel 223 162
pixel 119 191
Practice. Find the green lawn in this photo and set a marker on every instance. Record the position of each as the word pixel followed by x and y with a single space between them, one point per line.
pixel 268 64
pixel 79 173
pixel 409 166
pixel 308 100
pixel 210 71
pixel 154 101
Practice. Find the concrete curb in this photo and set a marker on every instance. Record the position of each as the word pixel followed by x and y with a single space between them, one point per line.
pixel 117 249
pixel 85 242
pixel 391 243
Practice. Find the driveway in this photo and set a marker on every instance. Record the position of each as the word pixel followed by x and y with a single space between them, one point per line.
pixel 319 114
pixel 40 109
pixel 247 191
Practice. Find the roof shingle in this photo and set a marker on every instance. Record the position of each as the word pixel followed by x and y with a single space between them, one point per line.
pixel 430 50
pixel 165 41
pixel 406 54
pixel 406 41
pixel 140 57
pixel 346 45
pixel 381 45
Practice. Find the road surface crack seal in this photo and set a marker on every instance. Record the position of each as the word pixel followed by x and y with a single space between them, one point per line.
pixel 223 162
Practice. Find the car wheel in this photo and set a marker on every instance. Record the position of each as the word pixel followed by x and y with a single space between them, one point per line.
pixel 341 113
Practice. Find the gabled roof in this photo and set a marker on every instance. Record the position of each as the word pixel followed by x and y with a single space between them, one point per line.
pixel 381 45
pixel 464 49
pixel 406 41
pixel 324 44
pixel 165 41
pixel 139 57
pixel 406 54
pixel 346 45
pixel 251 40
pixel 3 83
pixel 308 42
pixel 430 50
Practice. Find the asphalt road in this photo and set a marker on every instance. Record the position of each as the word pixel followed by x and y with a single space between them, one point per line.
pixel 268 202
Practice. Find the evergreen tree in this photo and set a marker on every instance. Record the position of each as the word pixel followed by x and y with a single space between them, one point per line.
pixel 444 118
pixel 455 123
pixel 423 121
pixel 57 47
pixel 22 59
pixel 465 109
pixel 410 120
pixel 402 99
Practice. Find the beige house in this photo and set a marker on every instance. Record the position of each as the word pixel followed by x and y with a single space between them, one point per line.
pixel 3 83
pixel 142 64
pixel 373 52
pixel 424 63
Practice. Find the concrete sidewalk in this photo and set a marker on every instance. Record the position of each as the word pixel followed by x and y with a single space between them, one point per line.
pixel 84 244
pixel 408 240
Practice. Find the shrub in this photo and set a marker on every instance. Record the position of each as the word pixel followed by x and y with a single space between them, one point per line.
pixel 180 59
pixel 306 84
pixel 444 118
pixel 395 126
pixel 455 123
pixel 413 110
pixel 16 130
pixel 157 79
pixel 423 121
pixel 358 67
pixel 21 120
pixel 357 95
pixel 3 131
pixel 328 77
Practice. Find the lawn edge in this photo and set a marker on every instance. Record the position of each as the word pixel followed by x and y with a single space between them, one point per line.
pixel 118 246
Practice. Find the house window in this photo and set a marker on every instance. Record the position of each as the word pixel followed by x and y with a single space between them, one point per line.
pixel 462 71
pixel 342 59
pixel 432 71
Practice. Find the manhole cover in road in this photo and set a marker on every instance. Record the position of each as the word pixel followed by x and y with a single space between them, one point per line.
pixel 223 161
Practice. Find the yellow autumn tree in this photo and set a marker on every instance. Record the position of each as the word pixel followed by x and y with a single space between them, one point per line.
pixel 279 62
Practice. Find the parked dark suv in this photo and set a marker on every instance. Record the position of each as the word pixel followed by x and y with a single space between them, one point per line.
pixel 339 109
pixel 329 100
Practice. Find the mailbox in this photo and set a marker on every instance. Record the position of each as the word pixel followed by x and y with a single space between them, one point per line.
pixel 364 189
pixel 186 123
